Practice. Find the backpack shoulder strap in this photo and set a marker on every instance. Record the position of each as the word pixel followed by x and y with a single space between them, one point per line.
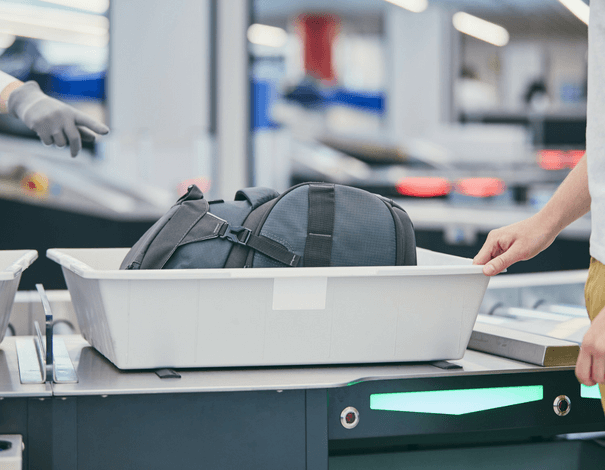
pixel 238 257
pixel 157 245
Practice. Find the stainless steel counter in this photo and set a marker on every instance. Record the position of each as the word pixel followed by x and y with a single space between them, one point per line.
pixel 97 376
pixel 10 385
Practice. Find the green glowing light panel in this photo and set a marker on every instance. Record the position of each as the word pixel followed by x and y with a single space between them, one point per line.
pixel 590 392
pixel 456 402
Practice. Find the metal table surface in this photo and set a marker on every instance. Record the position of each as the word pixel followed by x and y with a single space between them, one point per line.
pixel 10 384
pixel 98 376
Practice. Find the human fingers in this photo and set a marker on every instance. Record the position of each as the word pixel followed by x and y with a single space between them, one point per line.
pixel 86 134
pixel 598 368
pixel 503 261
pixel 497 265
pixel 96 126
pixel 75 141
pixel 493 247
pixel 486 253
pixel 59 138
pixel 584 368
pixel 45 137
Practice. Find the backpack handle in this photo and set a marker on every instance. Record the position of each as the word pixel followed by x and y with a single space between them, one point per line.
pixel 256 196
pixel 193 194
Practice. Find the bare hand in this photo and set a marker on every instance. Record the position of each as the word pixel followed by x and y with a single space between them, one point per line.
pixel 516 242
pixel 590 368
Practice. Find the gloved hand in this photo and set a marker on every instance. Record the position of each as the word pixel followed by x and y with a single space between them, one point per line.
pixel 54 122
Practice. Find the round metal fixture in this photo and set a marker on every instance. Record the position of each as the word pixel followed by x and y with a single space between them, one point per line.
pixel 349 418
pixel 562 405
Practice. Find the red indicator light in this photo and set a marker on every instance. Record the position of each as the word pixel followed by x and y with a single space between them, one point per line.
pixel 559 159
pixel 423 187
pixel 551 159
pixel 35 184
pixel 349 417
pixel 574 156
pixel 480 187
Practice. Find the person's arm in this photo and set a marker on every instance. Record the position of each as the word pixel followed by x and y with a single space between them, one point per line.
pixel 54 122
pixel 524 240
pixel 529 237
pixel 7 85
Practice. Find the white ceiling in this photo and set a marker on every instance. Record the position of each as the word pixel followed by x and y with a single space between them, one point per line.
pixel 544 18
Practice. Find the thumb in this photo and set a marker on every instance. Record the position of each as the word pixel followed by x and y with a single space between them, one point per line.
pixel 485 254
pixel 500 263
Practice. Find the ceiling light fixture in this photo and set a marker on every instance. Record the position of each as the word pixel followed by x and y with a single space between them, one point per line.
pixel 416 6
pixel 52 24
pixel 95 6
pixel 265 35
pixel 578 8
pixel 480 29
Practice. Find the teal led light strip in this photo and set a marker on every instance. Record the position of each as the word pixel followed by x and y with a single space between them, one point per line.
pixel 590 392
pixel 456 402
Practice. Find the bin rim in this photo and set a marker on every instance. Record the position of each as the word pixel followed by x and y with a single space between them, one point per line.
pixel 85 271
pixel 26 258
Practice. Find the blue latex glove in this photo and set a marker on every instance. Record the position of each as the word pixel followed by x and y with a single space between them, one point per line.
pixel 54 122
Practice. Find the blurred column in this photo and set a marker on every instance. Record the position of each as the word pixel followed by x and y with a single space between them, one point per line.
pixel 158 89
pixel 422 53
pixel 233 98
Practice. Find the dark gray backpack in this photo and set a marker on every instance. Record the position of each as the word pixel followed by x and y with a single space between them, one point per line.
pixel 311 224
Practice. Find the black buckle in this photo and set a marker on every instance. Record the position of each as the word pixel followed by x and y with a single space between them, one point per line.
pixel 233 235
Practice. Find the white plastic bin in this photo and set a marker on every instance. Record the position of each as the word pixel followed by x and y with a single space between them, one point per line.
pixel 12 264
pixel 273 316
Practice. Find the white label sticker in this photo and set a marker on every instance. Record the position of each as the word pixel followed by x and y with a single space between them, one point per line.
pixel 300 293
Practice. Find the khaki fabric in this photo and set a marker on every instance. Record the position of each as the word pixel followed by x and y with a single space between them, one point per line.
pixel 594 294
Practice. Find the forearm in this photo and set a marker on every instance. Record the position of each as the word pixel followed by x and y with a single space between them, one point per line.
pixel 570 202
pixel 7 85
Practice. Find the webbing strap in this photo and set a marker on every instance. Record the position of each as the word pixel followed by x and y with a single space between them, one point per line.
pixel 400 235
pixel 320 225
pixel 266 246
pixel 172 234
pixel 274 250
